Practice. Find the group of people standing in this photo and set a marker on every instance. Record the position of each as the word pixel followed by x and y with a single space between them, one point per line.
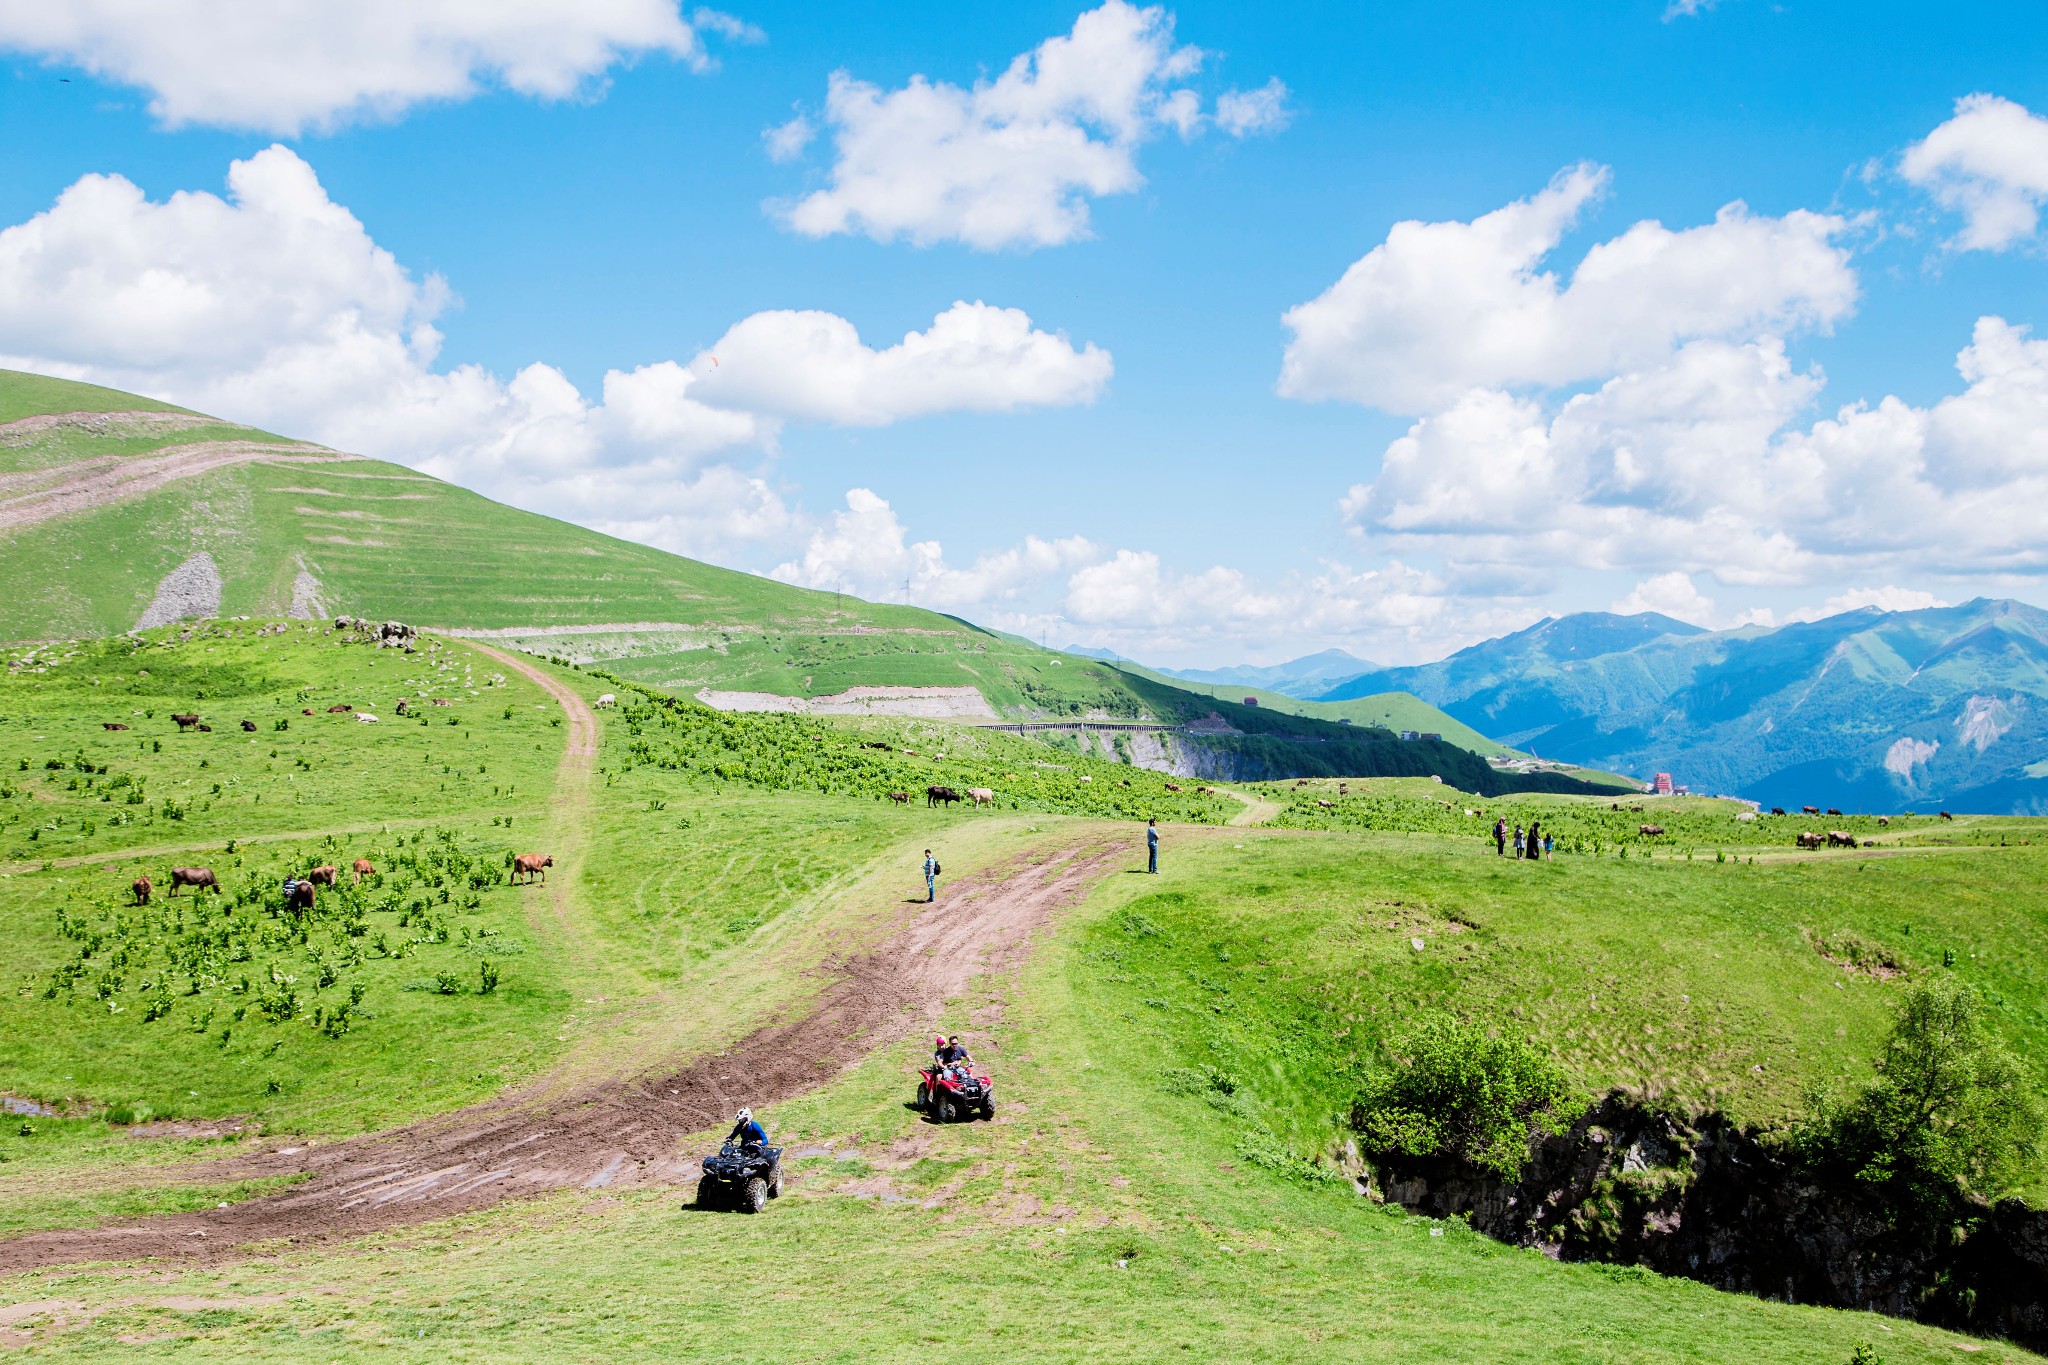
pixel 1534 844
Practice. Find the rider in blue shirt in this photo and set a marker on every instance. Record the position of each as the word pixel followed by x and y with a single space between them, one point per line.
pixel 746 1132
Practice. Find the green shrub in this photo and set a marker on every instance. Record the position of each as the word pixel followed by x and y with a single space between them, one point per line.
pixel 128 1112
pixel 1951 1111
pixel 1453 1091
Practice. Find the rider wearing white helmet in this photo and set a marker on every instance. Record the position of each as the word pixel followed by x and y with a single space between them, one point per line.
pixel 747 1132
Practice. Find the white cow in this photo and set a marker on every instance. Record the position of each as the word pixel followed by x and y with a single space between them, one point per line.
pixel 608 700
pixel 364 717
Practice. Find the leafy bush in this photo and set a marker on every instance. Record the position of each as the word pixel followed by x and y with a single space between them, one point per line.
pixel 1452 1091
pixel 1951 1111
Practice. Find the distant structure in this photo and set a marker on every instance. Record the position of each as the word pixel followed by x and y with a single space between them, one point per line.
pixel 1420 734
pixel 1662 786
pixel 1343 720
pixel 1251 701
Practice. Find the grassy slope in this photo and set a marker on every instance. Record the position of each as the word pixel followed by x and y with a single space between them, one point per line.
pixel 29 395
pixel 1021 1226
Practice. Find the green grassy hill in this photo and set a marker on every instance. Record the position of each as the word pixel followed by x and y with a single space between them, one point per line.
pixel 1175 1054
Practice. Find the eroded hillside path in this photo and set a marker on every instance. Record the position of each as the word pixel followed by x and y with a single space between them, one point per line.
pixel 38 495
pixel 623 1129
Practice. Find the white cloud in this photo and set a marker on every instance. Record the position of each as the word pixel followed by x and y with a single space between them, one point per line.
pixel 1668 594
pixel 1441 308
pixel 1989 162
pixel 786 141
pixel 287 65
pixel 1887 598
pixel 1241 113
pixel 1685 9
pixel 863 550
pixel 275 307
pixel 1012 162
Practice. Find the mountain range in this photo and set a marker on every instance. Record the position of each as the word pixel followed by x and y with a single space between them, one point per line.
pixel 1945 706
pixel 1307 677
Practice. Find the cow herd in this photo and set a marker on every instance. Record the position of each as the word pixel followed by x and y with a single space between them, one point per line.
pixel 300 892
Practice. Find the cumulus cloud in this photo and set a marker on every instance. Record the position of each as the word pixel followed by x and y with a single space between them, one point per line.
pixel 864 550
pixel 289 65
pixel 1242 113
pixel 1989 163
pixel 1441 308
pixel 1887 598
pixel 1668 594
pixel 274 306
pixel 1012 162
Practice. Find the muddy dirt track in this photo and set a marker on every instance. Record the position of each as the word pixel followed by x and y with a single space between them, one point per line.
pixel 620 1132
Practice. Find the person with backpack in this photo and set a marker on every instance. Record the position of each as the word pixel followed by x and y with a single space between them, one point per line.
pixel 931 876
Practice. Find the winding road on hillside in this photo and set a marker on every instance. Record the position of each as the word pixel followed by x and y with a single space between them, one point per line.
pixel 617 1131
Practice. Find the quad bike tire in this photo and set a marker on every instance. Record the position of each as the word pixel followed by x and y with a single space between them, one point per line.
pixel 942 1109
pixel 988 1110
pixel 755 1197
pixel 924 1097
pixel 707 1193
pixel 775 1181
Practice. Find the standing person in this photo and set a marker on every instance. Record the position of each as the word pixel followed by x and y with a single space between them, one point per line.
pixel 1518 841
pixel 1152 846
pixel 1549 846
pixel 931 876
pixel 1535 840
pixel 1500 837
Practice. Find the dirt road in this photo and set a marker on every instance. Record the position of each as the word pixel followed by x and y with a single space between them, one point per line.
pixel 38 495
pixel 619 1132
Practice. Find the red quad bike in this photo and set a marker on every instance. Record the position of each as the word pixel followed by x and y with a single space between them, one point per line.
pixel 955 1092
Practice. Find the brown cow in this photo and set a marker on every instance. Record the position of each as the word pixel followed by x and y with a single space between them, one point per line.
pixel 1809 810
pixel 299 896
pixel 1170 787
pixel 338 708
pixel 364 869
pixel 900 798
pixel 140 888
pixel 186 720
pixel 1327 805
pixel 1808 839
pixel 936 795
pixel 112 725
pixel 1650 831
pixel 204 729
pixel 1833 811
pixel 1777 810
pixel 533 865
pixel 198 878
pixel 442 701
pixel 1946 816
pixel 305 710
pixel 249 725
pixel 1841 839
pixel 323 874
pixel 399 706
pixel 1884 821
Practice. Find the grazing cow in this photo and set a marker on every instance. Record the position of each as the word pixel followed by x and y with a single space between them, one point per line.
pixel 1650 831
pixel 934 796
pixel 1326 805
pixel 1170 787
pixel 364 869
pixel 870 744
pixel 1777 810
pixel 1833 811
pixel 140 888
pixel 399 706
pixel 440 701
pixel 186 720
pixel 900 798
pixel 1946 816
pixel 305 710
pixel 338 708
pixel 298 896
pixel 198 878
pixel 112 725
pixel 323 874
pixel 1808 839
pixel 608 699
pixel 981 796
pixel 533 865
pixel 1841 839
pixel 1809 810
pixel 249 726
pixel 1884 822
pixel 365 718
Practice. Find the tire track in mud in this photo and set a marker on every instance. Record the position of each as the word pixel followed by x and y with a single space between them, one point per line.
pixel 620 1132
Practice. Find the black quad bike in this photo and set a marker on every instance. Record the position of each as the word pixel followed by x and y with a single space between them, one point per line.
pixel 955 1092
pixel 743 1178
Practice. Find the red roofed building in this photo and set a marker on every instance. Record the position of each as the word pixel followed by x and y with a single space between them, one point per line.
pixel 1662 786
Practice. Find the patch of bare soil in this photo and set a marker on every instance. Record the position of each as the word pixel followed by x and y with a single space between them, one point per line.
pixel 38 495
pixel 619 1132
pixel 102 423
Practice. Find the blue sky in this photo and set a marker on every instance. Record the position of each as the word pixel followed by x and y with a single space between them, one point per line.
pixel 1167 493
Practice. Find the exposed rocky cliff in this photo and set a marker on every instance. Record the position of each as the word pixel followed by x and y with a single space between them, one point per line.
pixel 1703 1199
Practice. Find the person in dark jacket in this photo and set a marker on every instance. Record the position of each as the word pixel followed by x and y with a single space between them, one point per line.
pixel 949 1051
pixel 746 1132
pixel 1500 837
pixel 1535 841
pixel 1151 845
